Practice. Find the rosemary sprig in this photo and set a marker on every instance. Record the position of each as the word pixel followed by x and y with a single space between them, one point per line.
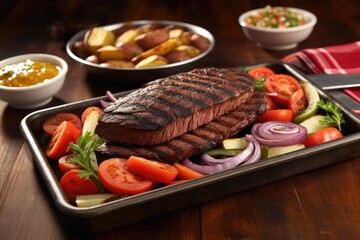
pixel 82 150
pixel 333 112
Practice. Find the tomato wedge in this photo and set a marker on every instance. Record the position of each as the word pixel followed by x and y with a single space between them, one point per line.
pixel 73 185
pixel 185 173
pixel 88 110
pixel 153 170
pixel 260 72
pixel 284 86
pixel 269 103
pixel 65 165
pixel 297 102
pixel 276 115
pixel 53 122
pixel 65 133
pixel 323 135
pixel 116 178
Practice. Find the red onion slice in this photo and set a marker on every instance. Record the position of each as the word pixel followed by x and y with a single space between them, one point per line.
pixel 250 154
pixel 278 133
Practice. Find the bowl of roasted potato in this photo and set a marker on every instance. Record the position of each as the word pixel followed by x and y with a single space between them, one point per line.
pixel 133 53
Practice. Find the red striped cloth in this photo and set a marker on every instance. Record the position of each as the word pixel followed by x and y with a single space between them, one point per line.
pixel 341 59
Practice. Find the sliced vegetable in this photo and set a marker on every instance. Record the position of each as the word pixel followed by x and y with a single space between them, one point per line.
pixel 91 200
pixel 268 152
pixel 315 123
pixel 260 72
pixel 116 178
pixel 312 98
pixel 269 103
pixel 277 133
pixel 185 173
pixel 65 134
pixel 88 110
pixel 333 111
pixel 322 136
pixel 216 152
pixel 250 154
pixel 65 165
pixel 283 85
pixel 90 121
pixel 53 122
pixel 151 169
pixel 235 143
pixel 73 185
pixel 285 115
pixel 297 102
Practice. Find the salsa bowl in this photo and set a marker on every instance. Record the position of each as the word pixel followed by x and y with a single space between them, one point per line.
pixel 279 38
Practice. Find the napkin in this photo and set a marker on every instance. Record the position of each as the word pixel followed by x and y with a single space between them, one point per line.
pixel 340 59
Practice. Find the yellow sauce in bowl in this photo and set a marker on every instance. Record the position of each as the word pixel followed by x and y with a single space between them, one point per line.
pixel 27 73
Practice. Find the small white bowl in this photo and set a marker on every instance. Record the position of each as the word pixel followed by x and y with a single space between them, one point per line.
pixel 279 38
pixel 36 95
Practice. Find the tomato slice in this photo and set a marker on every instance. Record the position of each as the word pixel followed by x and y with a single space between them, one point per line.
pixel 269 103
pixel 185 173
pixel 86 112
pixel 283 85
pixel 73 185
pixel 297 102
pixel 116 178
pixel 323 135
pixel 65 165
pixel 65 133
pixel 153 170
pixel 53 122
pixel 260 72
pixel 276 115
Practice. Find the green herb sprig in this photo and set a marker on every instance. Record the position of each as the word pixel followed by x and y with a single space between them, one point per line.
pixel 334 113
pixel 82 150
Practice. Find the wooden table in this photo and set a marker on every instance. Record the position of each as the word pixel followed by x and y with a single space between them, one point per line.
pixel 321 204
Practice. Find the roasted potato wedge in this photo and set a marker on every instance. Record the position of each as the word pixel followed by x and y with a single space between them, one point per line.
pixel 153 38
pixel 93 59
pixel 200 42
pixel 113 53
pixel 97 38
pixel 182 53
pixel 175 33
pixel 129 35
pixel 80 50
pixel 160 50
pixel 118 64
pixel 177 56
pixel 190 50
pixel 152 61
pixel 131 47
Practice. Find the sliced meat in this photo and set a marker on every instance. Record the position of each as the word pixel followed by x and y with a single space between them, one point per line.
pixel 196 142
pixel 169 107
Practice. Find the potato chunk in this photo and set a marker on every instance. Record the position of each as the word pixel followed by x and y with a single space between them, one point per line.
pixel 97 38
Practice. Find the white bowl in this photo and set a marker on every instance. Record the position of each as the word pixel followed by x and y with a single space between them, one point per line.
pixel 279 38
pixel 36 95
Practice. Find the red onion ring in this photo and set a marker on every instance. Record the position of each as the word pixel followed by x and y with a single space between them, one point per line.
pixel 250 154
pixel 278 133
pixel 111 98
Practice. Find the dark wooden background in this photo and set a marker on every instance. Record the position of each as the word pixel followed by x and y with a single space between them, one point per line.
pixel 321 204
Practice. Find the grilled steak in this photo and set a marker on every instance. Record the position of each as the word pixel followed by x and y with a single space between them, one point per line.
pixel 196 142
pixel 169 107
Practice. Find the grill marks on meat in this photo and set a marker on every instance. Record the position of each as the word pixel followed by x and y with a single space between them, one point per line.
pixel 196 142
pixel 169 107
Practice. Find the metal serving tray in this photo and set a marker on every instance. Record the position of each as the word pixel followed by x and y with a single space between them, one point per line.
pixel 170 198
